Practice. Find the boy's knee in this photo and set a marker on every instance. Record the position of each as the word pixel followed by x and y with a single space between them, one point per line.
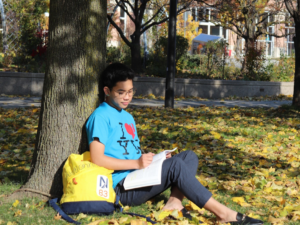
pixel 191 154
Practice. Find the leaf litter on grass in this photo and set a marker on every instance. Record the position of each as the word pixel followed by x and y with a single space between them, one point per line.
pixel 280 97
pixel 248 158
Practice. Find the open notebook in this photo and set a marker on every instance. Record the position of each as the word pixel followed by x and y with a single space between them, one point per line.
pixel 148 176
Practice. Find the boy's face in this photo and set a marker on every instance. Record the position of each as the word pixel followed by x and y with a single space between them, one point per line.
pixel 120 95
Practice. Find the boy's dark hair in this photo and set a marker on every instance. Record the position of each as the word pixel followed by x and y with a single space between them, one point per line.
pixel 114 73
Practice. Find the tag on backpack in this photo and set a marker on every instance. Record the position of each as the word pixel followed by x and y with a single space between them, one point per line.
pixel 103 186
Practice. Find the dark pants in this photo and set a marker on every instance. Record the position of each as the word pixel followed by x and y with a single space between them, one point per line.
pixel 178 171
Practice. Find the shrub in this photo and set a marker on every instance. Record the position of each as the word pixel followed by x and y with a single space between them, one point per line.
pixel 120 54
pixel 157 63
pixel 283 70
pixel 254 65
pixel 112 54
pixel 209 63
pixel 31 54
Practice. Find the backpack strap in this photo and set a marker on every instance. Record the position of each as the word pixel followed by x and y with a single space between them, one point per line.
pixel 118 204
pixel 139 215
pixel 53 203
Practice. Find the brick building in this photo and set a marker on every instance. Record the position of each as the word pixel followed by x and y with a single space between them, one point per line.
pixel 273 46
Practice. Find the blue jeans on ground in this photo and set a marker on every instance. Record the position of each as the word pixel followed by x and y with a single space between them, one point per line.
pixel 178 171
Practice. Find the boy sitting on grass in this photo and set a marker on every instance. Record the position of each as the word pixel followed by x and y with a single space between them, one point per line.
pixel 114 144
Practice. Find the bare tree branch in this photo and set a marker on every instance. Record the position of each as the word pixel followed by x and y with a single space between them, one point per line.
pixel 160 22
pixel 142 9
pixel 122 6
pixel 136 8
pixel 154 23
pixel 152 18
pixel 290 7
pixel 119 30
pixel 126 2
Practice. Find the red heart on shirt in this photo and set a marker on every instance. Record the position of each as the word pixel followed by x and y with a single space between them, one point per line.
pixel 130 129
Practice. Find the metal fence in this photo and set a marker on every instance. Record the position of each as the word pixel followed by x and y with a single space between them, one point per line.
pixel 10 27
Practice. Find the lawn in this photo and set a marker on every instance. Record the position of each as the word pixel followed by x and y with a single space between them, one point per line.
pixel 248 158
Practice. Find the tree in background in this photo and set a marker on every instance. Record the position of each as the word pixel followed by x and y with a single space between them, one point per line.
pixel 250 20
pixel 187 28
pixel 293 6
pixel 136 11
pixel 75 60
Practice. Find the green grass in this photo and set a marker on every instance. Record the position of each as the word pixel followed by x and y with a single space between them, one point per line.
pixel 248 153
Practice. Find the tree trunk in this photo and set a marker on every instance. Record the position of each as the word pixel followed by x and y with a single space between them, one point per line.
pixel 76 57
pixel 249 59
pixel 296 97
pixel 243 69
pixel 136 59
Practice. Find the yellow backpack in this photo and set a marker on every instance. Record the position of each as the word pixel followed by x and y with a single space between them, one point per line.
pixel 88 189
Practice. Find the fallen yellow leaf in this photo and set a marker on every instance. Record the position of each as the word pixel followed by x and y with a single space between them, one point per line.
pixel 126 208
pixel 138 222
pixel 16 203
pixel 277 220
pixel 96 222
pixel 81 216
pixel 163 214
pixel 238 199
pixel 18 213
pixel 123 219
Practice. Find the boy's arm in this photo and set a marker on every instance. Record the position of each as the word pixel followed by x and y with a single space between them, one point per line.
pixel 98 157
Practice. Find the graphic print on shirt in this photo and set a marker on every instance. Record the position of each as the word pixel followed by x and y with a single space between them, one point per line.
pixel 138 148
pixel 124 146
pixel 130 129
pixel 124 143
pixel 123 137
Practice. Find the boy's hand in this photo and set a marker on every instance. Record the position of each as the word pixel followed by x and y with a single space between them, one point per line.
pixel 145 160
pixel 168 155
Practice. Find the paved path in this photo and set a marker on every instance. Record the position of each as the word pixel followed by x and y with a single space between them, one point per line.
pixel 8 102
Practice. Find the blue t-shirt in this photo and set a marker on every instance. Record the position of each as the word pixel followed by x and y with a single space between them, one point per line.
pixel 117 131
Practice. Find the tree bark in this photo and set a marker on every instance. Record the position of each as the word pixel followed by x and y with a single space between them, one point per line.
pixel 136 59
pixel 296 96
pixel 76 57
pixel 249 58
pixel 246 48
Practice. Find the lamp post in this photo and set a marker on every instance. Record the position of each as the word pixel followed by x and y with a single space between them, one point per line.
pixel 171 67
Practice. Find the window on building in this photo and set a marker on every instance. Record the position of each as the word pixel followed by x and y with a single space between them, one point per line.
pixel 122 13
pixel 225 33
pixel 215 30
pixel 194 13
pixel 290 32
pixel 213 16
pixel 207 18
pixel 200 14
pixel 204 29
pixel 267 41
pixel 122 20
